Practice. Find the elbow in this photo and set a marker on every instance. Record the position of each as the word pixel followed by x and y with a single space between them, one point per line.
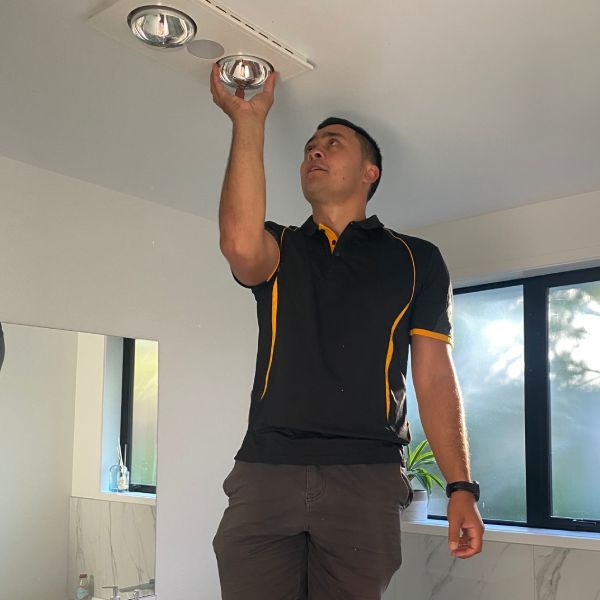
pixel 234 250
pixel 225 246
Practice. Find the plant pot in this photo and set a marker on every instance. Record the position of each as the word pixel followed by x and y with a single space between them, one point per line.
pixel 417 509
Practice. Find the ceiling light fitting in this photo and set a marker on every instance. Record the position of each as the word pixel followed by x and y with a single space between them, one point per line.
pixel 246 72
pixel 165 27
pixel 161 26
pixel 205 30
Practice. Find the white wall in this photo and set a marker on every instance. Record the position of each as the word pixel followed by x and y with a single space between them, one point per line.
pixel 88 415
pixel 529 240
pixel 110 407
pixel 37 405
pixel 79 257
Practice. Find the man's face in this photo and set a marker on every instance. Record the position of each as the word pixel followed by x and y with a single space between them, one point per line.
pixel 332 165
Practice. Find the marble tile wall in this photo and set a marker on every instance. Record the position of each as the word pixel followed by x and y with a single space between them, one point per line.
pixel 502 570
pixel 115 542
pixel 112 541
pixel 565 573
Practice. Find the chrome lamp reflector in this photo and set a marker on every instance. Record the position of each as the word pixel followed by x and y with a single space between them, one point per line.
pixel 161 26
pixel 244 71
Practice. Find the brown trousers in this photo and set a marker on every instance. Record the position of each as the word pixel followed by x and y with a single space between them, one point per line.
pixel 310 532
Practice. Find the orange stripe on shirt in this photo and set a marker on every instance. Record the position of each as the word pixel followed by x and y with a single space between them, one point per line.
pixel 274 299
pixel 432 334
pixel 390 351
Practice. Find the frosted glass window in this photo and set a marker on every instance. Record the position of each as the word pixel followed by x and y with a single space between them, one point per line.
pixel 145 413
pixel 489 360
pixel 574 370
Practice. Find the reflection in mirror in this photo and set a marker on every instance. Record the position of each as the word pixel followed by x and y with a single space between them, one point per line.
pixel 74 408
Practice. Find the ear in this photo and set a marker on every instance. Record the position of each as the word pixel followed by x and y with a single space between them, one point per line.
pixel 371 173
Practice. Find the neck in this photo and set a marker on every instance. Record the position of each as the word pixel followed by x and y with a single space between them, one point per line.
pixel 337 217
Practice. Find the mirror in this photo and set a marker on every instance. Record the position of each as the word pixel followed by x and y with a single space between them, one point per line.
pixel 68 402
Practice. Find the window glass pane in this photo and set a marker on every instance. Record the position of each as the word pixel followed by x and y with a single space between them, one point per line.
pixel 145 411
pixel 574 360
pixel 489 361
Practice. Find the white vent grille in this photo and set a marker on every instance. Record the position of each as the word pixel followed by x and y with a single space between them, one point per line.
pixel 254 28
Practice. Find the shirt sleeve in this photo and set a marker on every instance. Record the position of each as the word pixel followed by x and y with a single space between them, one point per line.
pixel 275 230
pixel 432 310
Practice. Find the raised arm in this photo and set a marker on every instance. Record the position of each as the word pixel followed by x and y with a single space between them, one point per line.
pixel 251 251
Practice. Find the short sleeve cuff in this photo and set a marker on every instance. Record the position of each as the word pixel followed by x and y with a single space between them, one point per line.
pixel 275 230
pixel 258 285
pixel 433 334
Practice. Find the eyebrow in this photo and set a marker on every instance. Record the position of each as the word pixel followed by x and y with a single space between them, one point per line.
pixel 326 134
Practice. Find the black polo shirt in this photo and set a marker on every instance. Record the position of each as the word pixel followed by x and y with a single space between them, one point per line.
pixel 335 319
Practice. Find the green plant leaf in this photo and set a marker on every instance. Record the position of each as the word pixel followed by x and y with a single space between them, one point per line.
pixel 426 455
pixel 419 449
pixel 427 484
pixel 438 481
pixel 422 480
pixel 416 461
pixel 429 461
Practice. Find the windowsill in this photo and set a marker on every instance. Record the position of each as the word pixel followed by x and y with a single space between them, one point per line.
pixel 131 497
pixel 148 597
pixel 581 540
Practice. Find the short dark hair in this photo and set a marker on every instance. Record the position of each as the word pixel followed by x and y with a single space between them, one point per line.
pixel 370 149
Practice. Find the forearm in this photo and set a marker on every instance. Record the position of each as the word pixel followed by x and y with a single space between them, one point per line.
pixel 242 207
pixel 442 417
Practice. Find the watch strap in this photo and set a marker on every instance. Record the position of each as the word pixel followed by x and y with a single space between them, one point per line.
pixel 470 486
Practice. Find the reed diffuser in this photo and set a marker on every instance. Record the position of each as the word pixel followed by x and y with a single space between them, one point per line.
pixel 123 484
pixel 119 474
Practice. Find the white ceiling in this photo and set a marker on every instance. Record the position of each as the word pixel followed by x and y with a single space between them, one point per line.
pixel 477 106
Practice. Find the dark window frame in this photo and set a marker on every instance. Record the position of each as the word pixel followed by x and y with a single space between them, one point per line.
pixel 127 413
pixel 538 464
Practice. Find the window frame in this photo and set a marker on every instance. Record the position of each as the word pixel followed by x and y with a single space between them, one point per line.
pixel 127 413
pixel 538 464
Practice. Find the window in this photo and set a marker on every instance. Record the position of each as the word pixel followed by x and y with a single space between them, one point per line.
pixel 527 355
pixel 139 412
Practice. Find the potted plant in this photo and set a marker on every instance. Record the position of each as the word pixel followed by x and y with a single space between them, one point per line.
pixel 416 463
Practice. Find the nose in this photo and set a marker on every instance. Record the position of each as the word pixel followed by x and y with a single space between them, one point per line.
pixel 314 153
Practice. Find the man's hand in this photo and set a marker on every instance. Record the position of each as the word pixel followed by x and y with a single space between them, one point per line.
pixel 463 514
pixel 234 105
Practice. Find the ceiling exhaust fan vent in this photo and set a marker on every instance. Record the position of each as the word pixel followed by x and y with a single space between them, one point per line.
pixel 214 23
pixel 252 27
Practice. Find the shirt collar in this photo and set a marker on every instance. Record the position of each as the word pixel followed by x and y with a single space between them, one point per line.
pixel 309 227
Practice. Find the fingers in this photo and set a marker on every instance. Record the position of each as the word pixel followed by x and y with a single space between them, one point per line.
pixel 221 97
pixel 469 544
pixel 216 85
pixel 269 85
pixel 264 100
pixel 453 534
pixel 258 105
pixel 465 552
pixel 466 518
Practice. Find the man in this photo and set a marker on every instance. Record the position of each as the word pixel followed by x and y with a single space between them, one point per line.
pixel 318 484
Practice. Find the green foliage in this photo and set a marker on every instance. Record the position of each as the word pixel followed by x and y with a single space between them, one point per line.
pixel 564 337
pixel 416 460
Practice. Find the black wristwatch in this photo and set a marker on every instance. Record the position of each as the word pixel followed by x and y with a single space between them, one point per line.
pixel 470 486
